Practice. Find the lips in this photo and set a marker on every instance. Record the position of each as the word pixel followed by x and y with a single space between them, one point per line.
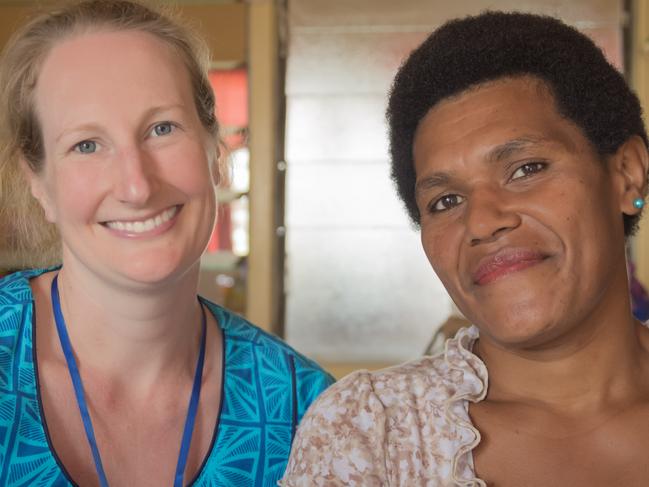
pixel 505 261
pixel 144 225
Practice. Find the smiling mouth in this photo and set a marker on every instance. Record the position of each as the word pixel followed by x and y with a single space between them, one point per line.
pixel 505 262
pixel 142 226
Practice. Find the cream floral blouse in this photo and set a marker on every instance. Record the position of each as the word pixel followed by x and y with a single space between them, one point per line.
pixel 403 426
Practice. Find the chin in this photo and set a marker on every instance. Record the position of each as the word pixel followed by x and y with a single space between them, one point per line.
pixel 157 270
pixel 518 327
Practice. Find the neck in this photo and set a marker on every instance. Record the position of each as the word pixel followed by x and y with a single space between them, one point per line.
pixel 133 335
pixel 598 364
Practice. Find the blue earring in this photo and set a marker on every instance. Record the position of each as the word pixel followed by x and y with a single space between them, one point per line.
pixel 638 203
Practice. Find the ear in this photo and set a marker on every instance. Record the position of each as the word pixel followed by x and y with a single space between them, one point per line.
pixel 214 152
pixel 38 190
pixel 629 166
pixel 215 167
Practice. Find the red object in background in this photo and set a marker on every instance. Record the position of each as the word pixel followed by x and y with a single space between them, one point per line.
pixel 231 92
pixel 221 238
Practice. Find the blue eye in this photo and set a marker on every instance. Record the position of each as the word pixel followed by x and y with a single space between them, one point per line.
pixel 446 202
pixel 164 128
pixel 86 147
pixel 528 169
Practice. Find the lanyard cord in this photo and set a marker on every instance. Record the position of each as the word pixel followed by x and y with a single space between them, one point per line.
pixel 83 407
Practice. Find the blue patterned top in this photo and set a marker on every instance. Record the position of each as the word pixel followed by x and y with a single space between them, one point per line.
pixel 267 387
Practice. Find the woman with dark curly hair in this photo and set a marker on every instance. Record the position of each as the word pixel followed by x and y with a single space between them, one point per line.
pixel 521 154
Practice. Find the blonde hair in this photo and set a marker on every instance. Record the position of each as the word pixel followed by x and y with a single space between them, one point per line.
pixel 26 238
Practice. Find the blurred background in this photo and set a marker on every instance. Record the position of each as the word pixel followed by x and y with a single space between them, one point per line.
pixel 311 242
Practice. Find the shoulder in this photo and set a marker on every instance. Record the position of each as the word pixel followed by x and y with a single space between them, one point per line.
pixel 16 348
pixel 430 380
pixel 409 422
pixel 15 288
pixel 365 427
pixel 388 392
pixel 273 355
pixel 342 438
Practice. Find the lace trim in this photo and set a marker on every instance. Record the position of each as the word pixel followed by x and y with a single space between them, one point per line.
pixel 458 357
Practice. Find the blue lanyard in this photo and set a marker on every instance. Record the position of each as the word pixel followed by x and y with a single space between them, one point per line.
pixel 83 407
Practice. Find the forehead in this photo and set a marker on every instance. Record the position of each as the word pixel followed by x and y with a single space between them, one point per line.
pixel 93 71
pixel 492 114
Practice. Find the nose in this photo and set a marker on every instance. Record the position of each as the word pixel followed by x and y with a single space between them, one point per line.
pixel 489 214
pixel 134 177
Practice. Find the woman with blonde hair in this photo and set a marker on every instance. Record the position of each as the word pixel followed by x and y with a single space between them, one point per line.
pixel 112 369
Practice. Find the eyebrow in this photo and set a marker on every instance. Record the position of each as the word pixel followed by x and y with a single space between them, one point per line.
pixel 93 126
pixel 513 146
pixel 427 183
pixel 497 154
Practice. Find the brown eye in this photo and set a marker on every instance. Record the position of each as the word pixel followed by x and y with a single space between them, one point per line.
pixel 446 202
pixel 528 169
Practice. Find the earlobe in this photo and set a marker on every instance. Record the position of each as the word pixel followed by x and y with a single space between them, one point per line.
pixel 631 163
pixel 37 188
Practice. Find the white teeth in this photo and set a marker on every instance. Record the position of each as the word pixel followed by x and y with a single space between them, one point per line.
pixel 143 225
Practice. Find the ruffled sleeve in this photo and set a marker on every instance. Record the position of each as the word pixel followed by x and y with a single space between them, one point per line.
pixel 341 439
pixel 401 426
pixel 471 386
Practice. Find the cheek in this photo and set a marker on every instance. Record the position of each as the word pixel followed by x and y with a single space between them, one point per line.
pixel 188 170
pixel 581 212
pixel 441 248
pixel 75 194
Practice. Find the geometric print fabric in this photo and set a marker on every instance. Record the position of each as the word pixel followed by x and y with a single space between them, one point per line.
pixel 267 388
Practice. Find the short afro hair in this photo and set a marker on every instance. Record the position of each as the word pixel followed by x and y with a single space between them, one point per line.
pixel 467 52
